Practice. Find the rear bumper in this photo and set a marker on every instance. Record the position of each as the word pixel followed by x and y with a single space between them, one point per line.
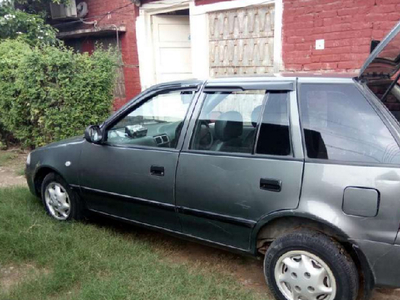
pixel 384 262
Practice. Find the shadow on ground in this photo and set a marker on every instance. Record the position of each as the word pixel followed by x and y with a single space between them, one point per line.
pixel 248 271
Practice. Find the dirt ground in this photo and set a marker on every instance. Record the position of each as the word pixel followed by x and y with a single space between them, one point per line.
pixel 12 164
pixel 246 270
pixel 11 275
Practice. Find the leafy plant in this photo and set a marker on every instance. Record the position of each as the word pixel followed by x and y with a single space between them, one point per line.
pixel 15 23
pixel 51 93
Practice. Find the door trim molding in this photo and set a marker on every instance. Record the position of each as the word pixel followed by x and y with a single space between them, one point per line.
pixel 136 200
pixel 216 217
pixel 171 207
pixel 177 233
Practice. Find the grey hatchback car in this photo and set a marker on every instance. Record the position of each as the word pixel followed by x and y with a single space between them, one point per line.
pixel 304 171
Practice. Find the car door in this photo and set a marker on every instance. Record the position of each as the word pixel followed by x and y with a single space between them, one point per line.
pixel 241 161
pixel 131 174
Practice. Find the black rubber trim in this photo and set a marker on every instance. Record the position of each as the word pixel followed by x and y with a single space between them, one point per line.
pixel 216 217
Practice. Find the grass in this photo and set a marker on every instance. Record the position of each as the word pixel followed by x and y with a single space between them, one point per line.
pixel 88 261
pixel 6 157
pixel 20 172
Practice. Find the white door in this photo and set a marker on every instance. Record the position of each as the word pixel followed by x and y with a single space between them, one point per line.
pixel 172 48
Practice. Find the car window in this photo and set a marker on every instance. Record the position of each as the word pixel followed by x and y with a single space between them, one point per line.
pixel 228 121
pixel 340 125
pixel 156 123
pixel 274 137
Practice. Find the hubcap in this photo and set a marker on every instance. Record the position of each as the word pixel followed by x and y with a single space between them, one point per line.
pixel 57 201
pixel 301 275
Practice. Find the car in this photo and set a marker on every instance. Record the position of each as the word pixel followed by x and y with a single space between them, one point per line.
pixel 303 170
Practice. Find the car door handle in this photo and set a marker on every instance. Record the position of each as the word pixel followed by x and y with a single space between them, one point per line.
pixel 272 185
pixel 157 171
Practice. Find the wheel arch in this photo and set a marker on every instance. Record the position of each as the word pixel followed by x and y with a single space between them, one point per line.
pixel 39 176
pixel 272 226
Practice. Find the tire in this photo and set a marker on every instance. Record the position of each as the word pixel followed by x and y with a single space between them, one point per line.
pixel 309 265
pixel 57 195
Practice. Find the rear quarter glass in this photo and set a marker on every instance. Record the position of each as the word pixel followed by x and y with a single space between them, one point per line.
pixel 340 125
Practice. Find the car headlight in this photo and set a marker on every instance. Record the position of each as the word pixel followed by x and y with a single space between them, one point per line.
pixel 28 159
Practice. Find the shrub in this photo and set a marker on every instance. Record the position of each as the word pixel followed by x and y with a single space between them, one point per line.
pixel 50 93
pixel 15 23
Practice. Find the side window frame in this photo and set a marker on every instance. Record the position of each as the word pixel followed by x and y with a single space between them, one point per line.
pixel 259 123
pixel 142 100
pixel 295 138
pixel 372 100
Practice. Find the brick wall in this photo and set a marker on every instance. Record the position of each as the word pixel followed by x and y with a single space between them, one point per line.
pixel 127 17
pixel 348 26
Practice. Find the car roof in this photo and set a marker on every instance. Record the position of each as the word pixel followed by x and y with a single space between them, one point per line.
pixel 301 77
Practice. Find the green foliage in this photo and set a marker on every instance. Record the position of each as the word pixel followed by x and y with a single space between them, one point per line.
pixel 31 28
pixel 51 93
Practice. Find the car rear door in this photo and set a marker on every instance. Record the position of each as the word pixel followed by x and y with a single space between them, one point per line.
pixel 251 167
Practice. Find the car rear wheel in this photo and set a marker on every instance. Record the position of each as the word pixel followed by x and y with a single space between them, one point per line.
pixel 60 201
pixel 308 265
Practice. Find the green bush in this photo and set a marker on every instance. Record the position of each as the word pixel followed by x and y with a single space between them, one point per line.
pixel 50 93
pixel 15 23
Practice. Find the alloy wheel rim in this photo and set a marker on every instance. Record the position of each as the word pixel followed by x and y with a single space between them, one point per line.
pixel 57 201
pixel 301 275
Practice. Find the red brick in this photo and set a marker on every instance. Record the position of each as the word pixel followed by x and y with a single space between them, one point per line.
pixel 383 8
pixel 312 67
pixel 295 39
pixel 348 11
pixel 349 65
pixel 330 58
pixel 293 67
pixel 383 2
pixel 328 14
pixel 329 66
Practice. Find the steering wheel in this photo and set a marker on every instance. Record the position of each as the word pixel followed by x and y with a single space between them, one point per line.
pixel 206 138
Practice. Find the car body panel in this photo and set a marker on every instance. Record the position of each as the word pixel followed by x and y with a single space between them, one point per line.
pixel 384 261
pixel 64 159
pixel 118 181
pixel 325 198
pixel 230 186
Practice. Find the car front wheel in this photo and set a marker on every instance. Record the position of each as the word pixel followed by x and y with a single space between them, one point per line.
pixel 60 201
pixel 308 265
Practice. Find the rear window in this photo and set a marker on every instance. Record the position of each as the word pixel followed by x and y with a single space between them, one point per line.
pixel 340 125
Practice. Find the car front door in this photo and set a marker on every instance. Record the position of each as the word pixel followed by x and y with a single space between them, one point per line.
pixel 131 174
pixel 241 161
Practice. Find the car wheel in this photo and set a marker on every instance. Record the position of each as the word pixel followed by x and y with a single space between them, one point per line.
pixel 308 265
pixel 60 201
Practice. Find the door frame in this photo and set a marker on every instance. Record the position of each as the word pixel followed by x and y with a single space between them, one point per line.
pixel 199 29
pixel 278 84
pixel 145 40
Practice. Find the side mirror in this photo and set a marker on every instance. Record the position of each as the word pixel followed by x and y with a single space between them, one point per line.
pixel 93 134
